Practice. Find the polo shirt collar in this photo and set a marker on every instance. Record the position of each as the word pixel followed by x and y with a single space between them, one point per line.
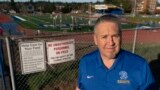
pixel 116 64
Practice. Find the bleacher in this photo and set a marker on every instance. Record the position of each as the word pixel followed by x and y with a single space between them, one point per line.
pixel 10 28
pixel 4 18
pixel 8 25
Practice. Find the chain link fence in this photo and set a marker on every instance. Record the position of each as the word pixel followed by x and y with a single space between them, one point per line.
pixel 63 76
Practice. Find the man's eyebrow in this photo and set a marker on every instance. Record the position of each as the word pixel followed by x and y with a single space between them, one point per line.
pixel 103 35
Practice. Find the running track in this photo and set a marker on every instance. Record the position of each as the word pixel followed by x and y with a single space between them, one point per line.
pixel 143 36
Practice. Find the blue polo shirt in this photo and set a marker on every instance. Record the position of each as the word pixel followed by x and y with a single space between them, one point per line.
pixel 128 72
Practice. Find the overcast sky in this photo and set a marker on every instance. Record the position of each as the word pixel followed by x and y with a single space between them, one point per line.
pixel 57 0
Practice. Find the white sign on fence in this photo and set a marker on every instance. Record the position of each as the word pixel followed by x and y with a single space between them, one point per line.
pixel 60 51
pixel 32 55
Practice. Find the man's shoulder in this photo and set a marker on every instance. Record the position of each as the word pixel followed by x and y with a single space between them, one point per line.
pixel 129 56
pixel 90 56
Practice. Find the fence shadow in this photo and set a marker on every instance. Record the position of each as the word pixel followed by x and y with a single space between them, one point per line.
pixel 155 68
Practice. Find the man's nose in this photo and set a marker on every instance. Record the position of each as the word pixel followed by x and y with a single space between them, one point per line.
pixel 110 41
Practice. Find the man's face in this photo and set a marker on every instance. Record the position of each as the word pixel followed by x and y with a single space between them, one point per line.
pixel 107 38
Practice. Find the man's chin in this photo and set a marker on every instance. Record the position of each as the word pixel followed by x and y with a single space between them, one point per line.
pixel 111 56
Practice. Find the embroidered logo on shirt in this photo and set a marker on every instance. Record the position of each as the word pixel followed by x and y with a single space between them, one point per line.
pixel 90 76
pixel 123 78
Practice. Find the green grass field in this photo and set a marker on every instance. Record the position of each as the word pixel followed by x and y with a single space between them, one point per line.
pixel 47 23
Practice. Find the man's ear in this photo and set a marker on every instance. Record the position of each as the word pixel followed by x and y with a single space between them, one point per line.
pixel 95 39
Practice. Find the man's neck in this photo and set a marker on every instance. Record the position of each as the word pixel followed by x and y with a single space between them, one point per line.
pixel 108 63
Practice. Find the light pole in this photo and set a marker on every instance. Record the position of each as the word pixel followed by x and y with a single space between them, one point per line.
pixel 89 22
pixel 72 26
pixel 134 9
pixel 135 38
pixel 53 22
pixel 121 5
pixel 60 21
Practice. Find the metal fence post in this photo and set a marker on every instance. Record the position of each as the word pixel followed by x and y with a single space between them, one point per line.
pixel 10 64
pixel 134 39
pixel 2 66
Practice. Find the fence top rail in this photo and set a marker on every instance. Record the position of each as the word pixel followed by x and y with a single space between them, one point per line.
pixel 3 37
pixel 62 34
pixel 48 36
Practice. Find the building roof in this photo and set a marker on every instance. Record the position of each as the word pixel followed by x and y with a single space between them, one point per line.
pixel 104 6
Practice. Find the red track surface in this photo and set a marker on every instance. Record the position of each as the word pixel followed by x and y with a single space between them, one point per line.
pixel 143 36
pixel 4 18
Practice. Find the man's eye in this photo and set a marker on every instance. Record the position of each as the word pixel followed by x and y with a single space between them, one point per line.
pixel 116 35
pixel 104 37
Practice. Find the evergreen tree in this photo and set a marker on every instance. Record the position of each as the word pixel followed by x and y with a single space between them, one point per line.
pixel 125 4
pixel 13 6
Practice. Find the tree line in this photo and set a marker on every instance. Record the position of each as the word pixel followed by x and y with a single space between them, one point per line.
pixel 48 7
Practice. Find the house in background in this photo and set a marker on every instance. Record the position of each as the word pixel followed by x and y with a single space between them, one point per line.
pixel 30 8
pixel 108 9
pixel 145 6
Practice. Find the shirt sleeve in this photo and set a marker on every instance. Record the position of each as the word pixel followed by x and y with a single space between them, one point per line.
pixel 147 78
pixel 81 71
